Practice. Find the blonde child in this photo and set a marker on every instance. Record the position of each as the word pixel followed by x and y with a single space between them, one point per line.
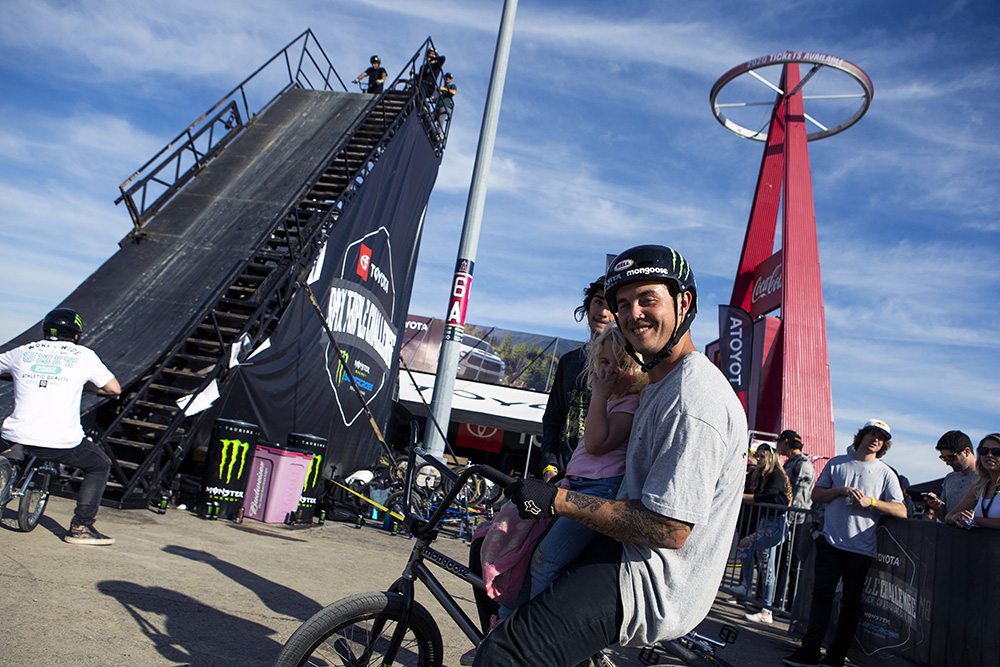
pixel 598 463
pixel 596 468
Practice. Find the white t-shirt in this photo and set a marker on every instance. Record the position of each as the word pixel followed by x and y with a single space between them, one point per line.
pixel 853 528
pixel 686 460
pixel 49 377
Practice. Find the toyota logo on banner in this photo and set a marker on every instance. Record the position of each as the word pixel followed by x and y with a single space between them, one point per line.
pixel 481 431
pixel 475 436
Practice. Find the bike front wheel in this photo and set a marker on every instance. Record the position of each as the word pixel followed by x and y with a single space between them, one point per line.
pixel 33 502
pixel 356 631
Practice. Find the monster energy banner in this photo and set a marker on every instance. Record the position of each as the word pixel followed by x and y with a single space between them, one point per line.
pixel 362 282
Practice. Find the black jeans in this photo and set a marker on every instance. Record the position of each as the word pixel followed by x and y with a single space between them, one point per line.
pixel 96 467
pixel 832 565
pixel 574 618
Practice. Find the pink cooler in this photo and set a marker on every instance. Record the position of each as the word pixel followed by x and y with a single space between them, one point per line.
pixel 275 484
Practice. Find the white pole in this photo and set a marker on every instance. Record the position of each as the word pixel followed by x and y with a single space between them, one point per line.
pixel 454 328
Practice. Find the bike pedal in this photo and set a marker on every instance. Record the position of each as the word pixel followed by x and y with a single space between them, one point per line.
pixel 648 656
pixel 728 634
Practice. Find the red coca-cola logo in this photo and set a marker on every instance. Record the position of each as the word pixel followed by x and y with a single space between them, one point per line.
pixel 767 285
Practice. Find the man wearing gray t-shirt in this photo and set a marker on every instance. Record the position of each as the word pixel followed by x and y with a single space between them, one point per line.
pixel 955 449
pixel 857 490
pixel 653 571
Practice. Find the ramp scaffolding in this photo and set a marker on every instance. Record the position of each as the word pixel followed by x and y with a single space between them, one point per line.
pixel 225 219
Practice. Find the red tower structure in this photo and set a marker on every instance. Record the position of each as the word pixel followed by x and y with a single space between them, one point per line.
pixel 779 364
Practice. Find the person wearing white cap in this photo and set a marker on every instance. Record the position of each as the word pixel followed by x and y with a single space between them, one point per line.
pixel 857 489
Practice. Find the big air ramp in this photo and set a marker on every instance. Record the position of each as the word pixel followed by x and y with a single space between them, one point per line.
pixel 209 276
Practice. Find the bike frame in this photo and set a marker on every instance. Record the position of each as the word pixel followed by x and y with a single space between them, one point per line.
pixel 22 473
pixel 425 532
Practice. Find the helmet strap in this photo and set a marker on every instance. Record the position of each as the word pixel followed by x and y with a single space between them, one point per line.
pixel 668 349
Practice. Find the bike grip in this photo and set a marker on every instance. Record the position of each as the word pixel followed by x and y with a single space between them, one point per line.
pixel 496 476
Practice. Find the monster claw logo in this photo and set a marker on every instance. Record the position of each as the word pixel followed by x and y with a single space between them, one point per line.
pixel 341 373
pixel 239 451
pixel 229 485
pixel 317 465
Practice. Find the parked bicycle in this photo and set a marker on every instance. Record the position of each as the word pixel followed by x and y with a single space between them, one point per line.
pixel 28 481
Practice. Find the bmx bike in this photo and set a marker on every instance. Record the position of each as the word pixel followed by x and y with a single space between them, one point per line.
pixel 28 481
pixel 391 628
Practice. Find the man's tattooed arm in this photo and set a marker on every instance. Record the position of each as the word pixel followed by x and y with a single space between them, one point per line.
pixel 624 520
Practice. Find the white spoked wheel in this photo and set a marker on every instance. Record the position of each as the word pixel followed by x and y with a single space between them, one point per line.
pixel 835 94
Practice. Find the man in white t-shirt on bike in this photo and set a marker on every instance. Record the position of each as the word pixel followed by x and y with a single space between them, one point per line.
pixel 50 377
pixel 653 572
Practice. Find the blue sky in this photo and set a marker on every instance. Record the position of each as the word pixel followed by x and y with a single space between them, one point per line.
pixel 606 140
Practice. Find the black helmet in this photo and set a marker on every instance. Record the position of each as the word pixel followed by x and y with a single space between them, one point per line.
pixel 376 59
pixel 447 75
pixel 62 324
pixel 652 263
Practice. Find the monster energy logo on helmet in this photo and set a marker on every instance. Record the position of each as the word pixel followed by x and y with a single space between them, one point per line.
pixel 647 263
pixel 62 324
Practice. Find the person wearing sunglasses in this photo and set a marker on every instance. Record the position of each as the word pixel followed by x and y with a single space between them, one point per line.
pixel 857 489
pixel 955 449
pixel 977 508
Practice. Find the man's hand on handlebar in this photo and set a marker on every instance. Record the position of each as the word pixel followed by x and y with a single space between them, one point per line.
pixel 534 498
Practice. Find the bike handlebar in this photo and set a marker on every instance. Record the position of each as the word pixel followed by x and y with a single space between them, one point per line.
pixel 486 471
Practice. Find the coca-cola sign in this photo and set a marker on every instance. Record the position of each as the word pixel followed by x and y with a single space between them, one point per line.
pixel 767 284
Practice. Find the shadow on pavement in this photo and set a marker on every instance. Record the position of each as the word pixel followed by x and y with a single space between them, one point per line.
pixel 195 634
pixel 279 599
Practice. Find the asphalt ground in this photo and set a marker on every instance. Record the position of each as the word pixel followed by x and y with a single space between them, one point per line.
pixel 179 590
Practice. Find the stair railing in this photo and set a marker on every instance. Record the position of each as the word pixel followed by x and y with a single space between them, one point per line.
pixel 147 190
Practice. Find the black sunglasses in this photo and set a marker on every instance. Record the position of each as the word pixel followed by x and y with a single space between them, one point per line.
pixel 983 451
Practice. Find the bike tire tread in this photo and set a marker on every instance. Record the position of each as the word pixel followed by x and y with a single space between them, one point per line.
pixel 356 609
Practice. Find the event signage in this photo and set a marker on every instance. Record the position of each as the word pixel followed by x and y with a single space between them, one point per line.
pixel 301 381
pixel 767 286
pixel 359 315
pixel 485 438
pixel 735 346
pixel 454 326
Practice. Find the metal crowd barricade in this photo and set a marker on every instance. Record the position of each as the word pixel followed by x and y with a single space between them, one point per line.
pixel 787 554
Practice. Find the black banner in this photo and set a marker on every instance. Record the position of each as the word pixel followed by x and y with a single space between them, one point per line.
pixel 929 598
pixel 735 345
pixel 298 384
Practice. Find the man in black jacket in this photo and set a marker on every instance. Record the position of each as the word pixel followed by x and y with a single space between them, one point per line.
pixel 562 423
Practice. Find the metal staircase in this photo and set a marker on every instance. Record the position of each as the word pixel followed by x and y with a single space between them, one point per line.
pixel 147 433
